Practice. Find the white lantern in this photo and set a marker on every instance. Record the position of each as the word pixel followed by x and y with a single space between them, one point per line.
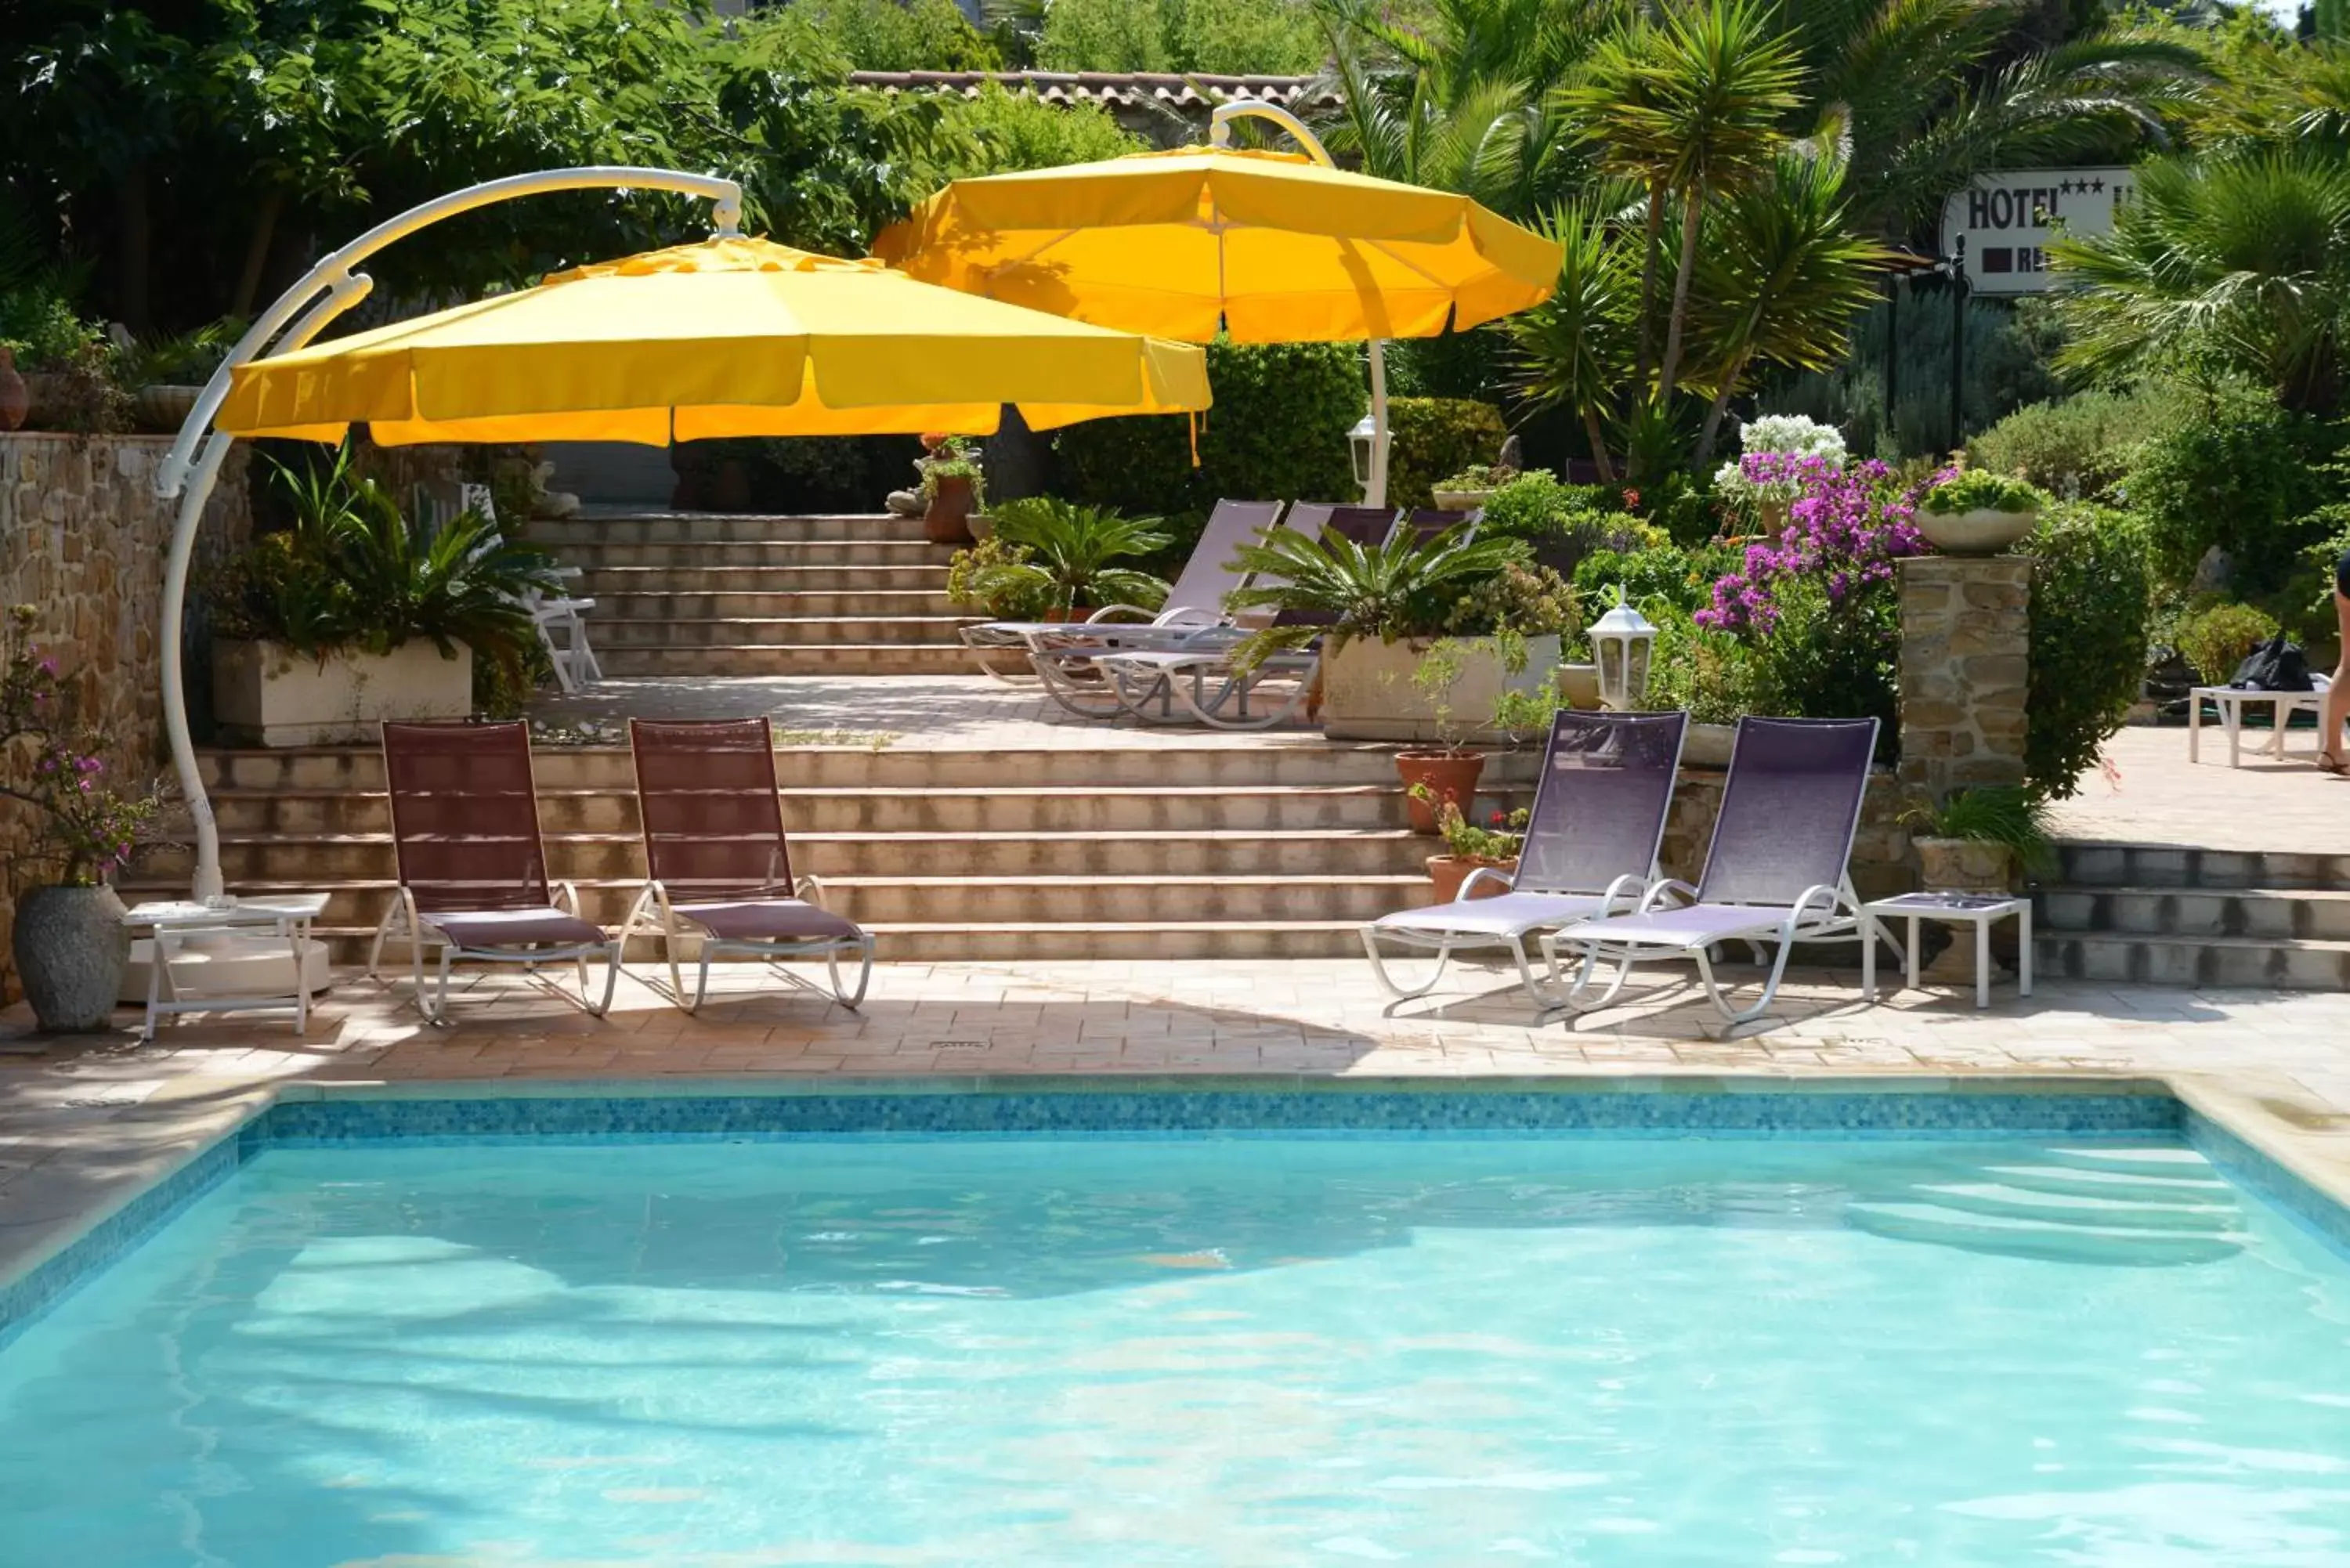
pixel 1360 440
pixel 1621 642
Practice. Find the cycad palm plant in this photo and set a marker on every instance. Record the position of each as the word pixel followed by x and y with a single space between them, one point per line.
pixel 1342 591
pixel 1072 554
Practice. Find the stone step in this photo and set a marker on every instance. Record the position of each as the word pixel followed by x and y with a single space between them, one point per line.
pixel 2145 865
pixel 318 859
pixel 822 631
pixel 721 527
pixel 847 605
pixel 708 555
pixel 604 583
pixel 1013 942
pixel 1200 761
pixel 1110 810
pixel 2064 1241
pixel 1075 902
pixel 2268 914
pixel 2196 961
pixel 770 659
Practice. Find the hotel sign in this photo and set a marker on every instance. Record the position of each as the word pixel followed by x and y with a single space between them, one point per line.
pixel 2008 220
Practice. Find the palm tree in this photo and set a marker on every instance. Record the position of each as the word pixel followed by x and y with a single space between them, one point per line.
pixel 1785 280
pixel 1462 103
pixel 1693 107
pixel 2240 260
pixel 1575 350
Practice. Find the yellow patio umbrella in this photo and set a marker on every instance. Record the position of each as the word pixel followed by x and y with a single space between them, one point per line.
pixel 1271 247
pixel 731 337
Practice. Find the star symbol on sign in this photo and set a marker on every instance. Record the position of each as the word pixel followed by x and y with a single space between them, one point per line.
pixel 2096 184
pixel 2063 187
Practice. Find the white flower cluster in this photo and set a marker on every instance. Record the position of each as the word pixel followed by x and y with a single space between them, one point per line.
pixel 1791 435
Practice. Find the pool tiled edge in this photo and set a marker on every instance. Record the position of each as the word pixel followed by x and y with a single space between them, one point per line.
pixel 2295 1160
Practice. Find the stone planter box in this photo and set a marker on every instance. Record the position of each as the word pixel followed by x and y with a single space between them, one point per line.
pixel 1368 692
pixel 269 695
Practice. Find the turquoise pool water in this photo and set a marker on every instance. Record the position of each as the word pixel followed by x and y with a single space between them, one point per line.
pixel 1375 1350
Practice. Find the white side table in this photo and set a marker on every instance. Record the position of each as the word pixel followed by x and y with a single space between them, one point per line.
pixel 173 922
pixel 2231 699
pixel 1976 909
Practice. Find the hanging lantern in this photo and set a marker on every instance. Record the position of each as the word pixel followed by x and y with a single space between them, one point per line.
pixel 1360 441
pixel 1621 642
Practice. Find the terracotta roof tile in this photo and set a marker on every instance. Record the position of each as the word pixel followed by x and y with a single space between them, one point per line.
pixel 1108 88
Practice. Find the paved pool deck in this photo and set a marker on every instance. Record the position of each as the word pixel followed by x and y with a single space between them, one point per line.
pixel 86 1123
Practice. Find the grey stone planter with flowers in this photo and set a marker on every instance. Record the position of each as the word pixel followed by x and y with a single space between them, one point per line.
pixel 68 943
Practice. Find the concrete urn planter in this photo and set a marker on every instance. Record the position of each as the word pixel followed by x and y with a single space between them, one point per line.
pixel 271 695
pixel 1709 745
pixel 1368 692
pixel 1980 532
pixel 69 947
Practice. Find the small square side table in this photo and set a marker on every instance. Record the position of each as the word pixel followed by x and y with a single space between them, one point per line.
pixel 1976 909
pixel 172 922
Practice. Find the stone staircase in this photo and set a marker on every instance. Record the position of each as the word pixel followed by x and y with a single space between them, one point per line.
pixel 2167 916
pixel 1173 851
pixel 705 594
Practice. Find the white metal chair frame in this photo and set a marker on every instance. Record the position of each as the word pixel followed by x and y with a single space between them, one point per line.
pixel 574 661
pixel 659 916
pixel 1822 913
pixel 417 929
pixel 1628 888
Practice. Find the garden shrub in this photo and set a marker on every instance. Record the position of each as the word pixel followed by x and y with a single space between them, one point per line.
pixel 898 35
pixel 2215 641
pixel 1659 580
pixel 1011 131
pixel 1829 655
pixel 1711 673
pixel 2077 447
pixel 1277 432
pixel 2091 600
pixel 2242 475
pixel 1564 524
pixel 1433 438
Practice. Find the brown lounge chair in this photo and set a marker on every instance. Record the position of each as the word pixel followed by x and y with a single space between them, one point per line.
pixel 473 870
pixel 720 870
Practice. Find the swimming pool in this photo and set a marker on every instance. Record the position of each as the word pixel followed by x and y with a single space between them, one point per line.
pixel 1402 1328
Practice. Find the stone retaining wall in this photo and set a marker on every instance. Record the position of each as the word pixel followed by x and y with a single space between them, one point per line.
pixel 82 540
pixel 1966 645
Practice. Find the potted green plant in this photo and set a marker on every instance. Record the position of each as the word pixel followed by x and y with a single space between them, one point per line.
pixel 1470 848
pixel 1471 487
pixel 164 375
pixel 952 489
pixel 1977 513
pixel 1446 777
pixel 354 615
pixel 1979 840
pixel 68 943
pixel 1062 559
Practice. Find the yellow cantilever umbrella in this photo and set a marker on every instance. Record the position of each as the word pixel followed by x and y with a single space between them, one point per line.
pixel 1271 247
pixel 1275 247
pixel 730 336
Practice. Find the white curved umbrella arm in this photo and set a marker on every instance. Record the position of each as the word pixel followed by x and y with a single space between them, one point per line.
pixel 189 476
pixel 1220 134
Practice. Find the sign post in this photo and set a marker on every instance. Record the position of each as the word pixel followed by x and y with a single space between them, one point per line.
pixel 2004 222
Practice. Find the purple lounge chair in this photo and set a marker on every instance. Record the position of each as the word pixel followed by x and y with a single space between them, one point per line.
pixel 1776 871
pixel 719 866
pixel 1591 841
pixel 473 869
pixel 1196 600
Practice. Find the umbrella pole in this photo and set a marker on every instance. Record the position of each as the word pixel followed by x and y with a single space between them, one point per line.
pixel 1375 493
pixel 188 478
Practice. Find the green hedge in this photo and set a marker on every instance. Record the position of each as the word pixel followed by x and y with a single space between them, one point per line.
pixel 1277 432
pixel 1434 438
pixel 2091 599
pixel 2242 475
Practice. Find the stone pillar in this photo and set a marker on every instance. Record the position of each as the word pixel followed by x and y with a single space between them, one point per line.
pixel 1966 637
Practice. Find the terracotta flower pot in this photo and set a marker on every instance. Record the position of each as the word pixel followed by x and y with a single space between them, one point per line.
pixel 16 401
pixel 947 519
pixel 1449 775
pixel 1449 871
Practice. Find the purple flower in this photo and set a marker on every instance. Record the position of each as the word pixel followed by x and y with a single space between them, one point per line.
pixel 1846 527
